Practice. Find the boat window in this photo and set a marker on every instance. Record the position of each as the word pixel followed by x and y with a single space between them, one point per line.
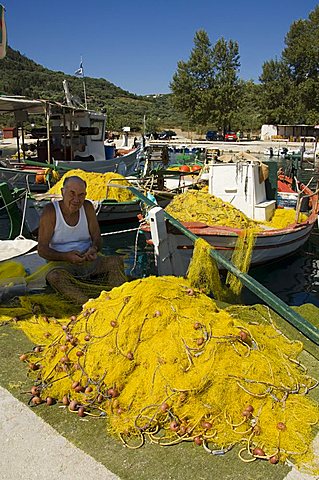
pixel 100 125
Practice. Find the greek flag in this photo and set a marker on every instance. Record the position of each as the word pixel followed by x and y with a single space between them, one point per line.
pixel 3 33
pixel 79 71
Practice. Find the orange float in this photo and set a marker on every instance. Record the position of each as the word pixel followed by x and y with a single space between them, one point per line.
pixel 40 177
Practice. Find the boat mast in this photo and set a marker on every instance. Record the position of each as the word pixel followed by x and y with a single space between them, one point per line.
pixel 47 119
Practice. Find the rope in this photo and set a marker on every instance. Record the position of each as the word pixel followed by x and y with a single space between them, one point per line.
pixel 23 214
pixel 120 231
pixel 135 249
pixel 13 201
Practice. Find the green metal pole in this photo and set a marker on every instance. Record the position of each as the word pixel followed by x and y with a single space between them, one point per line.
pixel 48 165
pixel 309 330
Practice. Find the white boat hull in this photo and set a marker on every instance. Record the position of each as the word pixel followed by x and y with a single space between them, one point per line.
pixel 269 246
pixel 30 177
pixel 124 165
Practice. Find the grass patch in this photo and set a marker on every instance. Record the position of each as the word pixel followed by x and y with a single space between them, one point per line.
pixel 184 461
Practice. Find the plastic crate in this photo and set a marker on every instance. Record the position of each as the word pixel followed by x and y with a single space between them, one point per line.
pixel 287 199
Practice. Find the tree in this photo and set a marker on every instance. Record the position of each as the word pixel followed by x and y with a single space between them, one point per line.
pixel 289 86
pixel 192 83
pixel 301 53
pixel 276 92
pixel 206 87
pixel 227 91
pixel 248 117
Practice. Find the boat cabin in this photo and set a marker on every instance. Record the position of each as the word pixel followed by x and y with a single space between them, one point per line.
pixel 243 185
pixel 70 133
pixel 77 135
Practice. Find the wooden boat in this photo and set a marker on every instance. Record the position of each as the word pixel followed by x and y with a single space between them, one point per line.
pixel 73 138
pixel 239 184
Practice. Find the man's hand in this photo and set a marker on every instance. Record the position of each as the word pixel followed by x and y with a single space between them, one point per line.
pixel 91 254
pixel 75 257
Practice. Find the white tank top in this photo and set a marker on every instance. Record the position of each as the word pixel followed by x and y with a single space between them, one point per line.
pixel 67 238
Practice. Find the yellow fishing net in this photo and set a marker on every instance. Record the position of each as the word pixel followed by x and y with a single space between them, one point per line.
pixel 200 206
pixel 98 185
pixel 78 289
pixel 70 285
pixel 284 217
pixel 170 366
pixel 10 269
pixel 203 270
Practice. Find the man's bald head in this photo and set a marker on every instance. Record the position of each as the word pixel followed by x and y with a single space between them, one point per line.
pixel 73 178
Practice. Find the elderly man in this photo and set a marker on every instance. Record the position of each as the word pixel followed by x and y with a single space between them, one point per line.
pixel 70 235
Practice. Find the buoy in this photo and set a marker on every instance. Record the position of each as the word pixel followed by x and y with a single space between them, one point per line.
pixel 40 178
pixel 184 168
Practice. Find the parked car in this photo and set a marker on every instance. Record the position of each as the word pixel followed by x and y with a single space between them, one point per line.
pixel 151 135
pixel 230 136
pixel 166 135
pixel 213 136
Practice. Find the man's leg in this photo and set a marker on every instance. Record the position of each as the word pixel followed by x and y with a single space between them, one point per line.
pixel 112 269
pixel 63 282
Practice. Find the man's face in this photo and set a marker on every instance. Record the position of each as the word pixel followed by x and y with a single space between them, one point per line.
pixel 73 194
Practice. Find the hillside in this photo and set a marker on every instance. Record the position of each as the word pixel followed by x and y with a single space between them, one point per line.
pixel 20 75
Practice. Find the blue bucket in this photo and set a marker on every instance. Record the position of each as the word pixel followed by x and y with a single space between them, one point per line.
pixel 109 151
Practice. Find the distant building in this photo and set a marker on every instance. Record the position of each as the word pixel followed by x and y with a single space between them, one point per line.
pixel 289 132
pixel 268 131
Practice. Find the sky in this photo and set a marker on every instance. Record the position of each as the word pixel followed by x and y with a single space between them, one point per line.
pixel 136 44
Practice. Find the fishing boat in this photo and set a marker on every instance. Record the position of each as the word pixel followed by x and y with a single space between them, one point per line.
pixel 108 211
pixel 24 208
pixel 72 138
pixel 241 185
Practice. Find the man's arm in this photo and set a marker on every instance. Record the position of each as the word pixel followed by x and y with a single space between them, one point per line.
pixel 46 230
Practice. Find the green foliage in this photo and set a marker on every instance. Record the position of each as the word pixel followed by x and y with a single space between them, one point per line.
pixel 22 76
pixel 301 53
pixel 206 87
pixel 227 88
pixel 247 116
pixel 289 86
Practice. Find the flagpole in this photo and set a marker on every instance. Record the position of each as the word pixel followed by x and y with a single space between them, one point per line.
pixel 80 73
pixel 3 33
pixel 84 87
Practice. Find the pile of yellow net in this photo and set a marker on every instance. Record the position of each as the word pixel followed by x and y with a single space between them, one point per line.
pixel 166 364
pixel 200 206
pixel 282 218
pixel 98 185
pixel 11 269
pixel 203 271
